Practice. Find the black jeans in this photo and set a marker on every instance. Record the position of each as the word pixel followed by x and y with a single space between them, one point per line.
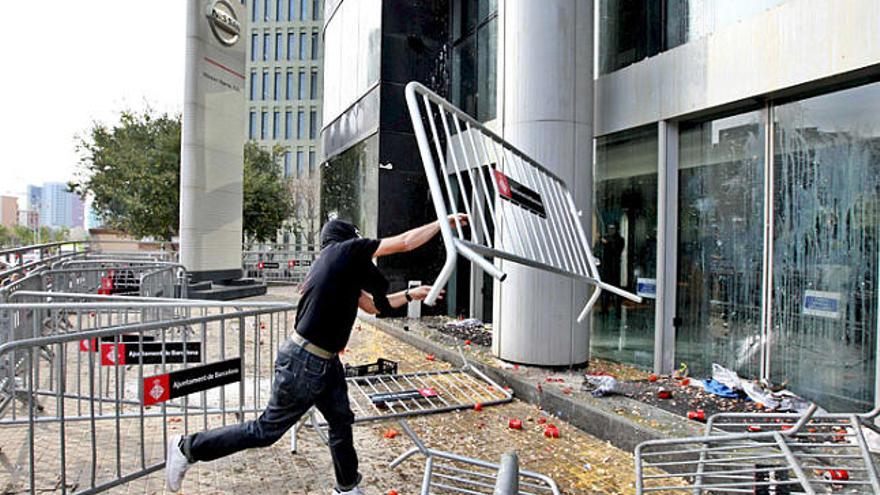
pixel 301 381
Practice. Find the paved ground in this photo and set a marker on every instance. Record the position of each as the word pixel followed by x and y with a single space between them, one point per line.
pixel 580 464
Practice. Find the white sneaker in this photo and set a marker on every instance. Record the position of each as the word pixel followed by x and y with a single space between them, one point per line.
pixel 354 491
pixel 176 465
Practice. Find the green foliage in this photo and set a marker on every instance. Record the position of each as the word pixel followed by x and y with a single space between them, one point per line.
pixel 268 200
pixel 132 171
pixel 23 236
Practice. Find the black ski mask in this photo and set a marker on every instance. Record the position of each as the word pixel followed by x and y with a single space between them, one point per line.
pixel 337 231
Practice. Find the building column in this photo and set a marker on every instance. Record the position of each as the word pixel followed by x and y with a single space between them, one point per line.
pixel 546 97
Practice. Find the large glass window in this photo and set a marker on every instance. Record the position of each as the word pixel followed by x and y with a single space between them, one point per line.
pixel 290 9
pixel 313 86
pixel 276 124
pixel 303 7
pixel 313 124
pixel 265 88
pixel 632 30
pixel 252 125
pixel 278 5
pixel 289 93
pixel 302 46
pixel 302 84
pixel 264 125
pixel 625 241
pixel 267 43
pixel 279 45
pixel 720 243
pixel 288 124
pixel 349 185
pixel 291 45
pixel 278 87
pixel 354 33
pixel 314 45
pixel 311 162
pixel 253 83
pixel 316 10
pixel 300 124
pixel 255 46
pixel 474 57
pixel 287 166
pixel 300 163
pixel 265 9
pixel 826 212
pixel 255 10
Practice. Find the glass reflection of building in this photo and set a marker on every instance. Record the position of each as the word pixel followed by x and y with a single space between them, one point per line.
pixel 738 163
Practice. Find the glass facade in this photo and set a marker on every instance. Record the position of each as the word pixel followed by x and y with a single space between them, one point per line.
pixel 826 212
pixel 632 30
pixel 474 57
pixel 349 185
pixel 720 243
pixel 345 82
pixel 625 241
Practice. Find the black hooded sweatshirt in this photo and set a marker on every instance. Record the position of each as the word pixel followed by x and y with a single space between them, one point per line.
pixel 329 301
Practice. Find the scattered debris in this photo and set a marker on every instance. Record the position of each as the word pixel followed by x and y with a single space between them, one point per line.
pixel 551 431
pixel 515 424
pixel 600 386
pixel 390 433
pixel 664 394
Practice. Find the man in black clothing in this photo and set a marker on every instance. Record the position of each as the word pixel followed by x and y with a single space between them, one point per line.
pixel 307 369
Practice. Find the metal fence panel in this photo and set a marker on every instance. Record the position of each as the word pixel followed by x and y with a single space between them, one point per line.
pixel 518 210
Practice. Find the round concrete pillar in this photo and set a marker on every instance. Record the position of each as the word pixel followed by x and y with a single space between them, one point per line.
pixel 546 58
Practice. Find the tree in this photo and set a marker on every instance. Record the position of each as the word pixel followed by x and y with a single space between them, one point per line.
pixel 268 197
pixel 132 172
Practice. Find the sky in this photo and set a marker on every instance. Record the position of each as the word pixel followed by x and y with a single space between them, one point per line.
pixel 70 63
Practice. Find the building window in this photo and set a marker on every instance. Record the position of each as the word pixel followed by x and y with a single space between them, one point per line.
pixel 300 124
pixel 302 10
pixel 302 85
pixel 315 45
pixel 288 124
pixel 278 4
pixel 625 179
pixel 316 10
pixel 287 164
pixel 313 124
pixel 254 46
pixel 289 94
pixel 255 10
pixel 277 89
pixel 265 85
pixel 313 85
pixel 265 10
pixel 253 82
pixel 279 46
pixel 252 125
pixel 267 47
pixel 276 124
pixel 290 9
pixel 300 164
pixel 302 46
pixel 474 57
pixel 720 243
pixel 291 41
pixel 264 125
pixel 311 162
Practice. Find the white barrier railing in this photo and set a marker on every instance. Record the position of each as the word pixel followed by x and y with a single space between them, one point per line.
pixel 518 210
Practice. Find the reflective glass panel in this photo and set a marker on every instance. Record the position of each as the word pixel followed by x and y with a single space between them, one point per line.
pixel 826 212
pixel 720 244
pixel 625 241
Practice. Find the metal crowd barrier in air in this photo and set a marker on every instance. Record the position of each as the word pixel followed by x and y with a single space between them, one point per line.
pixel 519 210
pixel 281 263
pixel 101 382
pixel 764 454
pixel 446 472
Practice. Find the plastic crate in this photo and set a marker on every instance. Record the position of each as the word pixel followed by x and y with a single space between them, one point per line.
pixel 380 367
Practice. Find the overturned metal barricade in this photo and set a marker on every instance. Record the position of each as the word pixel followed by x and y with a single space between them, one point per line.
pixel 764 454
pixel 383 397
pixel 446 472
pixel 518 210
pixel 101 385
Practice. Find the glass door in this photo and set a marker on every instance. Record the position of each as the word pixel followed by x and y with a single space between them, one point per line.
pixel 826 182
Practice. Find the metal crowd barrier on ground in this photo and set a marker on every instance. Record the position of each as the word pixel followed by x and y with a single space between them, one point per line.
pixel 278 263
pixel 446 472
pixel 383 397
pixel 99 383
pixel 518 210
pixel 764 454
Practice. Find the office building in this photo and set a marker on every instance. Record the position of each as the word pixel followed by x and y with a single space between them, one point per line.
pixel 734 183
pixel 284 95
pixel 58 207
pixel 29 218
pixel 33 198
pixel 8 211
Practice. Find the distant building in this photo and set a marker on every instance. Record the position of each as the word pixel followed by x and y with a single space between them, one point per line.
pixel 34 198
pixel 284 95
pixel 93 219
pixel 29 218
pixel 57 206
pixel 8 211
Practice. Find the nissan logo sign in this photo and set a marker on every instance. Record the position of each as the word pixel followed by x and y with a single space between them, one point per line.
pixel 223 21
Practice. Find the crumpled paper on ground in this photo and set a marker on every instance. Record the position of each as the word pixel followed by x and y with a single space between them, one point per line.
pixel 600 386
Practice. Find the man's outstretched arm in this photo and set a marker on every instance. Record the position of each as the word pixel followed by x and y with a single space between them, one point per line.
pixel 412 239
pixel 395 299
